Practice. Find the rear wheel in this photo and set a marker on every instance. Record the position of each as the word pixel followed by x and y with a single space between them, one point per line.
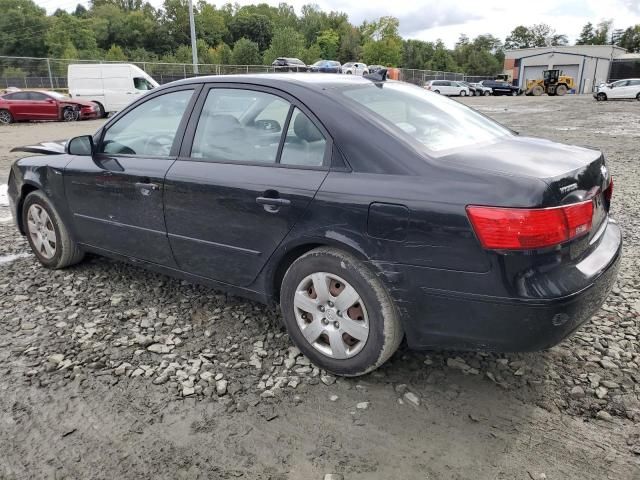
pixel 5 117
pixel 48 237
pixel 339 313
pixel 437 91
pixel 514 93
pixel 601 97
pixel 561 90
pixel 487 93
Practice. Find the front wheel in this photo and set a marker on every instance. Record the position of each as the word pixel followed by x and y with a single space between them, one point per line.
pixel 70 115
pixel 602 97
pixel 463 93
pixel 487 93
pixel 47 234
pixel 338 313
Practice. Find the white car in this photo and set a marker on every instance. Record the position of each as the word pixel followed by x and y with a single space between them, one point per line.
pixel 628 88
pixel 447 87
pixel 355 68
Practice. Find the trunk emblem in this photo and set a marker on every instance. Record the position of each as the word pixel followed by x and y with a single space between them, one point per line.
pixel 569 188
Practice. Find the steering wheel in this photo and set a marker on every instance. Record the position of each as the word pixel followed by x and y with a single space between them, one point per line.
pixel 160 144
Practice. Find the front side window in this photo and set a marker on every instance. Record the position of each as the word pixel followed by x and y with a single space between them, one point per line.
pixel 37 96
pixel 150 128
pixel 304 144
pixel 142 84
pixel 240 126
pixel 432 120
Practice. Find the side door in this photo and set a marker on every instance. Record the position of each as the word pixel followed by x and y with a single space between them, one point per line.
pixel 43 106
pixel 252 160
pixel 618 89
pixel 18 105
pixel 634 88
pixel 116 194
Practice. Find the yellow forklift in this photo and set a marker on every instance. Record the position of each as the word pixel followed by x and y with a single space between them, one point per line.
pixel 552 83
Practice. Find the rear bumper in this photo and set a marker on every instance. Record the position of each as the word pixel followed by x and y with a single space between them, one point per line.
pixel 443 319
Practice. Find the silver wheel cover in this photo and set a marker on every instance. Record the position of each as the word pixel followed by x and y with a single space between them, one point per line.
pixel 41 231
pixel 331 315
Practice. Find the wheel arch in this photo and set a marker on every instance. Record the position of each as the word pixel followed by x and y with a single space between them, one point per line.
pixel 26 189
pixel 282 260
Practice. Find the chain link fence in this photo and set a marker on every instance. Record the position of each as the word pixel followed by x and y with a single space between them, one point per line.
pixel 51 73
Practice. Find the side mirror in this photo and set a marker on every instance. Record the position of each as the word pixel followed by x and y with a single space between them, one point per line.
pixel 82 145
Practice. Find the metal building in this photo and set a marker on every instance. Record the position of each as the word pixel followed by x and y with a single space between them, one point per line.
pixel 590 65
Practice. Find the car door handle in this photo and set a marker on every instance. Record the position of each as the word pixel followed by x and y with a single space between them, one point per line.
pixel 274 202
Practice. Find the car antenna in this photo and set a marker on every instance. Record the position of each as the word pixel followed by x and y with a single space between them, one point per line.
pixel 377 76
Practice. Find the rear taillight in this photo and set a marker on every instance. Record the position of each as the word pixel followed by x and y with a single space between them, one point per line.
pixel 608 193
pixel 500 228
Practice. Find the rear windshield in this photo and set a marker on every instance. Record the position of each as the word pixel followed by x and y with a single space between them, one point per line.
pixel 437 122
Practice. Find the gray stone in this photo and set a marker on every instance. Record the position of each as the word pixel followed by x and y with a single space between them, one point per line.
pixel 577 392
pixel 412 398
pixel 159 348
pixel 221 387
pixel 362 405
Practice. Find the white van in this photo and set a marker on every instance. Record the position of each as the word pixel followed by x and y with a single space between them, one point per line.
pixel 111 86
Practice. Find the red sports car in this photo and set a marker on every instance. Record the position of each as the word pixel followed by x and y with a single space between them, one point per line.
pixel 31 105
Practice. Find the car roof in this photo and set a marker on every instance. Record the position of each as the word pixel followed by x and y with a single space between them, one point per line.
pixel 315 81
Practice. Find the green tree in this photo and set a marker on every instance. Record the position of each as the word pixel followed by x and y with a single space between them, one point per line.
pixel 115 53
pixel 68 33
pixel 383 44
pixel 287 42
pixel 23 26
pixel 328 42
pixel 630 39
pixel 417 54
pixel 257 28
pixel 350 44
pixel 539 35
pixel 220 55
pixel 313 54
pixel 586 35
pixel 246 52
pixel 210 24
pixel 602 34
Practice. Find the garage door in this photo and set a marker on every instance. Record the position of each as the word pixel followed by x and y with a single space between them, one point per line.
pixel 571 70
pixel 532 72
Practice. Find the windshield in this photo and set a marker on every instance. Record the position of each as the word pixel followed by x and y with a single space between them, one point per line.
pixel 438 123
pixel 350 64
pixel 318 63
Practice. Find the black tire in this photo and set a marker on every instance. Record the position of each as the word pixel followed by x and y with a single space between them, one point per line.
pixel 102 113
pixel 67 251
pixel 463 93
pixel 349 72
pixel 384 330
pixel 561 90
pixel 487 93
pixel 437 91
pixel 69 114
pixel 601 97
pixel 638 97
pixel 5 117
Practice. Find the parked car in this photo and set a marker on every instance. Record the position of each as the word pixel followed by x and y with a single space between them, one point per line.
pixel 43 105
pixel 501 88
pixel 481 90
pixel 355 68
pixel 110 86
pixel 448 87
pixel 285 64
pixel 628 88
pixel 375 68
pixel 423 219
pixel 326 66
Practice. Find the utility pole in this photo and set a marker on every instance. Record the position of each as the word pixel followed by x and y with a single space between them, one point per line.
pixel 194 50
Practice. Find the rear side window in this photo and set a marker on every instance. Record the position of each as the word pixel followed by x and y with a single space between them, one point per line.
pixel 17 96
pixel 150 128
pixel 240 126
pixel 304 144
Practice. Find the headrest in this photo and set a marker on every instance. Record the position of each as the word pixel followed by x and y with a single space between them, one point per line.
pixel 306 130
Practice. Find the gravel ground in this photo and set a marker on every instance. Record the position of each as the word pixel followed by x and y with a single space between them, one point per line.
pixel 109 371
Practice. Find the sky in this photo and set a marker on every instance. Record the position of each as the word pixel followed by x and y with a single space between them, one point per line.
pixel 440 19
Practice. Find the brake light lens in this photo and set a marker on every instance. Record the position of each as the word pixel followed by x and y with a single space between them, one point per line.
pixel 500 228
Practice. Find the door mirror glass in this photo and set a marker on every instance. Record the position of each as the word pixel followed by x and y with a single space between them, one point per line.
pixel 82 145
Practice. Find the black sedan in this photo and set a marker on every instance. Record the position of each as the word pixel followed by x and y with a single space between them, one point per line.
pixel 353 202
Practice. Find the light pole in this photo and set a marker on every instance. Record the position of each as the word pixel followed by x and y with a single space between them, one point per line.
pixel 194 50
